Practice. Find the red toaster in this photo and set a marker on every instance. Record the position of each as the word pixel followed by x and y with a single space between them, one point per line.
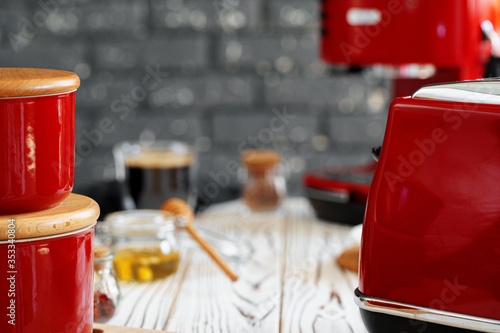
pixel 430 251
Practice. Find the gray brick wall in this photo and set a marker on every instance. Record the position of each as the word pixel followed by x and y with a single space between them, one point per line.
pixel 223 69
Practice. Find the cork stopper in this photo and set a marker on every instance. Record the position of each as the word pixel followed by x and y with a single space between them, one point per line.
pixel 19 82
pixel 101 252
pixel 102 257
pixel 260 159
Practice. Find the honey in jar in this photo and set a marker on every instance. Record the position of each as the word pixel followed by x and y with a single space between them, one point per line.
pixel 144 263
pixel 145 244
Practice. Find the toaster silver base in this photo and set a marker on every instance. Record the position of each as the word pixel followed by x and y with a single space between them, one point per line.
pixel 417 313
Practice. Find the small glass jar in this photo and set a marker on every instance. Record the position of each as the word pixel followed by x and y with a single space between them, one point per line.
pixel 106 290
pixel 265 186
pixel 145 244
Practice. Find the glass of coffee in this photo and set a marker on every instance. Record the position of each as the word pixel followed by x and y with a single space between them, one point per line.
pixel 153 172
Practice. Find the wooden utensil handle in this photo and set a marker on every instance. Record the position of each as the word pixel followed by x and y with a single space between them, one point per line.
pixel 180 207
pixel 211 252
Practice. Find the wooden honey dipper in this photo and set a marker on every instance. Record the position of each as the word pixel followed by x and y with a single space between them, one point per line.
pixel 182 210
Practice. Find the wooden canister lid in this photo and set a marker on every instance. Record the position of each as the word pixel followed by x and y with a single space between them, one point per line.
pixel 73 213
pixel 18 82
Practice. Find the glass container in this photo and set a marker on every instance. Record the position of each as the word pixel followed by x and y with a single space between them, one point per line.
pixel 152 172
pixel 264 187
pixel 106 290
pixel 145 243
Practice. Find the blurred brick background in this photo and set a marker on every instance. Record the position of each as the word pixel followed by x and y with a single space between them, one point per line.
pixel 223 69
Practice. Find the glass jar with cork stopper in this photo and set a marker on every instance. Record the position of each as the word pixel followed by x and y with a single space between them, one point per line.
pixel 265 186
pixel 106 290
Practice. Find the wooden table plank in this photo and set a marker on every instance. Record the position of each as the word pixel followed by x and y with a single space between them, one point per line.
pixel 317 293
pixel 247 305
pixel 101 328
pixel 136 308
pixel 289 281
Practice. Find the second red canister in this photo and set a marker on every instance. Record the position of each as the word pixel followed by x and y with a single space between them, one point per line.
pixel 48 268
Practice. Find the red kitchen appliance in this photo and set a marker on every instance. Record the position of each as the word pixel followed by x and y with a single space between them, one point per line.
pixel 430 251
pixel 339 193
pixel 454 37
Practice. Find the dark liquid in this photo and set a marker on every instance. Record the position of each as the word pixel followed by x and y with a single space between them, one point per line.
pixel 150 187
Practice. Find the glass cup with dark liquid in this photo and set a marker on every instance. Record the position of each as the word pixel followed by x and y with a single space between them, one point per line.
pixel 154 172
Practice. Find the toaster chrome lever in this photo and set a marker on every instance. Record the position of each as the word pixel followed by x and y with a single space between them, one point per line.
pixel 376 152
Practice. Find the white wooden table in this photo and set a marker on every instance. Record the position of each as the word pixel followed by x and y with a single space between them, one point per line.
pixel 289 281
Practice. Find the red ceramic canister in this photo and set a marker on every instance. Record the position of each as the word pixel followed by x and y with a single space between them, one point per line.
pixel 37 114
pixel 46 282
